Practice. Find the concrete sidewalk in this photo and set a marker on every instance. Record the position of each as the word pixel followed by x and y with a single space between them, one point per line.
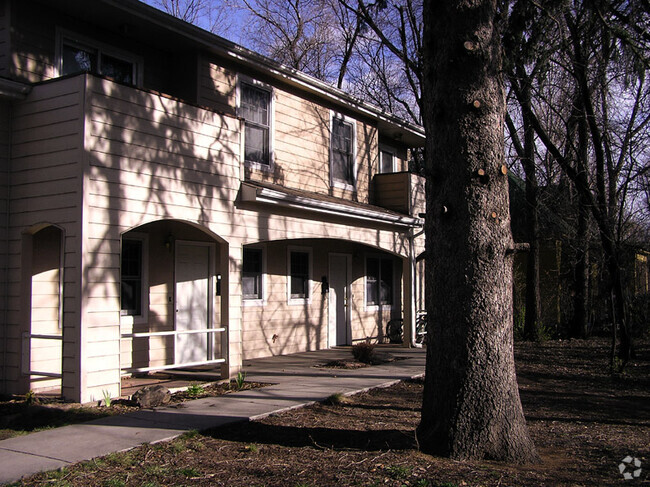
pixel 297 382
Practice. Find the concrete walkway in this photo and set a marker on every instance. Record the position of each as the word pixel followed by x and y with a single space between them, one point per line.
pixel 296 383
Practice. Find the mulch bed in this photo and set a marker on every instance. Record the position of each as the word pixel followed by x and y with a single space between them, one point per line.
pixel 583 419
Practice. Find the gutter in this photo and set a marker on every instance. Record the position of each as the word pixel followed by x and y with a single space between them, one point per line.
pixel 13 90
pixel 269 196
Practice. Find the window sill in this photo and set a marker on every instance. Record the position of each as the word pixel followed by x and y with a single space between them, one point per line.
pixel 256 166
pixel 344 186
pixel 252 302
pixel 379 307
pixel 133 319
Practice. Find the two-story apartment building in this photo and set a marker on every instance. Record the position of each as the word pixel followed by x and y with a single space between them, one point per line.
pixel 169 199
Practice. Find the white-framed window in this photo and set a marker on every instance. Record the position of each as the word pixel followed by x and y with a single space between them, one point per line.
pixel 255 106
pixel 134 298
pixel 386 159
pixel 79 54
pixel 380 280
pixel 299 274
pixel 343 151
pixel 253 271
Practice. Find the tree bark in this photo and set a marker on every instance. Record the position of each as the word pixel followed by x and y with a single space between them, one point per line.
pixel 580 301
pixel 471 407
pixel 533 294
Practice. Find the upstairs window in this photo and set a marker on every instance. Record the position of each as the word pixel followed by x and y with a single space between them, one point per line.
pixel 379 281
pixel 342 152
pixel 386 161
pixel 252 274
pixel 78 55
pixel 255 109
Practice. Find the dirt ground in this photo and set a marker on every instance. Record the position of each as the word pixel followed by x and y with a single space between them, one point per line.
pixel 583 419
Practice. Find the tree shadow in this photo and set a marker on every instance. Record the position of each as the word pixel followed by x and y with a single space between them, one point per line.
pixel 325 438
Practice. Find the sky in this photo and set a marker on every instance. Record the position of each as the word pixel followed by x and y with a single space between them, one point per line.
pixel 228 20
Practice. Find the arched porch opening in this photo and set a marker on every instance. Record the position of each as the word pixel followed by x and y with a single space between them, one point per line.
pixel 173 311
pixel 42 338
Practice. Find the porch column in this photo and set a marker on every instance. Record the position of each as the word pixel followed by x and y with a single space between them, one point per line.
pixel 231 304
pixel 408 281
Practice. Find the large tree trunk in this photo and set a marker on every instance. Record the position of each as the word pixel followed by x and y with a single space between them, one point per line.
pixel 471 407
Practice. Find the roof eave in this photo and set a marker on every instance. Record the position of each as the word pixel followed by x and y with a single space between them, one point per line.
pixel 408 133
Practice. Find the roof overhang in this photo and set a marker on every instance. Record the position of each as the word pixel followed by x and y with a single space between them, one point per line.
pixel 13 90
pixel 258 194
pixel 408 133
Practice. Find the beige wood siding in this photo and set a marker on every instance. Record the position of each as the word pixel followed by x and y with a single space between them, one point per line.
pixel 32 42
pixel 46 189
pixel 217 87
pixel 301 149
pixel 402 192
pixel 300 137
pixel 276 327
pixel 150 158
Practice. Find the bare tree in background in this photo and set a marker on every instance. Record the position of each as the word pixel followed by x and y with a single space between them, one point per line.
pixel 602 53
pixel 212 15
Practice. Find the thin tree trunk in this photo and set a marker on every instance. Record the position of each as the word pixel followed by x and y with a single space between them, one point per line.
pixel 471 407
pixel 533 296
pixel 581 297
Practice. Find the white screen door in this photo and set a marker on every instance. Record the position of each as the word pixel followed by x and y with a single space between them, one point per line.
pixel 339 322
pixel 192 301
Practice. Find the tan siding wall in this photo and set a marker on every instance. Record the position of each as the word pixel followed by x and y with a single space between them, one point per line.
pixel 32 42
pixel 45 177
pixel 301 137
pixel 217 87
pixel 151 158
pixel 277 327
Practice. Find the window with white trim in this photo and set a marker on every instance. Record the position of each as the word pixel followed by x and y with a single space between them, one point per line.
pixel 342 151
pixel 386 161
pixel 256 109
pixel 299 277
pixel 81 55
pixel 379 281
pixel 252 274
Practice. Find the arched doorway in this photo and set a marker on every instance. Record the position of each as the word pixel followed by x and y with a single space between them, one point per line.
pixel 43 343
pixel 171 305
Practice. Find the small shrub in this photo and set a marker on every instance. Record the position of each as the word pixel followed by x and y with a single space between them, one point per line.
pixel 363 352
pixel 240 380
pixel 107 398
pixel 30 398
pixel 398 471
pixel 114 483
pixel 253 448
pixel 189 472
pixel 335 399
pixel 195 390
